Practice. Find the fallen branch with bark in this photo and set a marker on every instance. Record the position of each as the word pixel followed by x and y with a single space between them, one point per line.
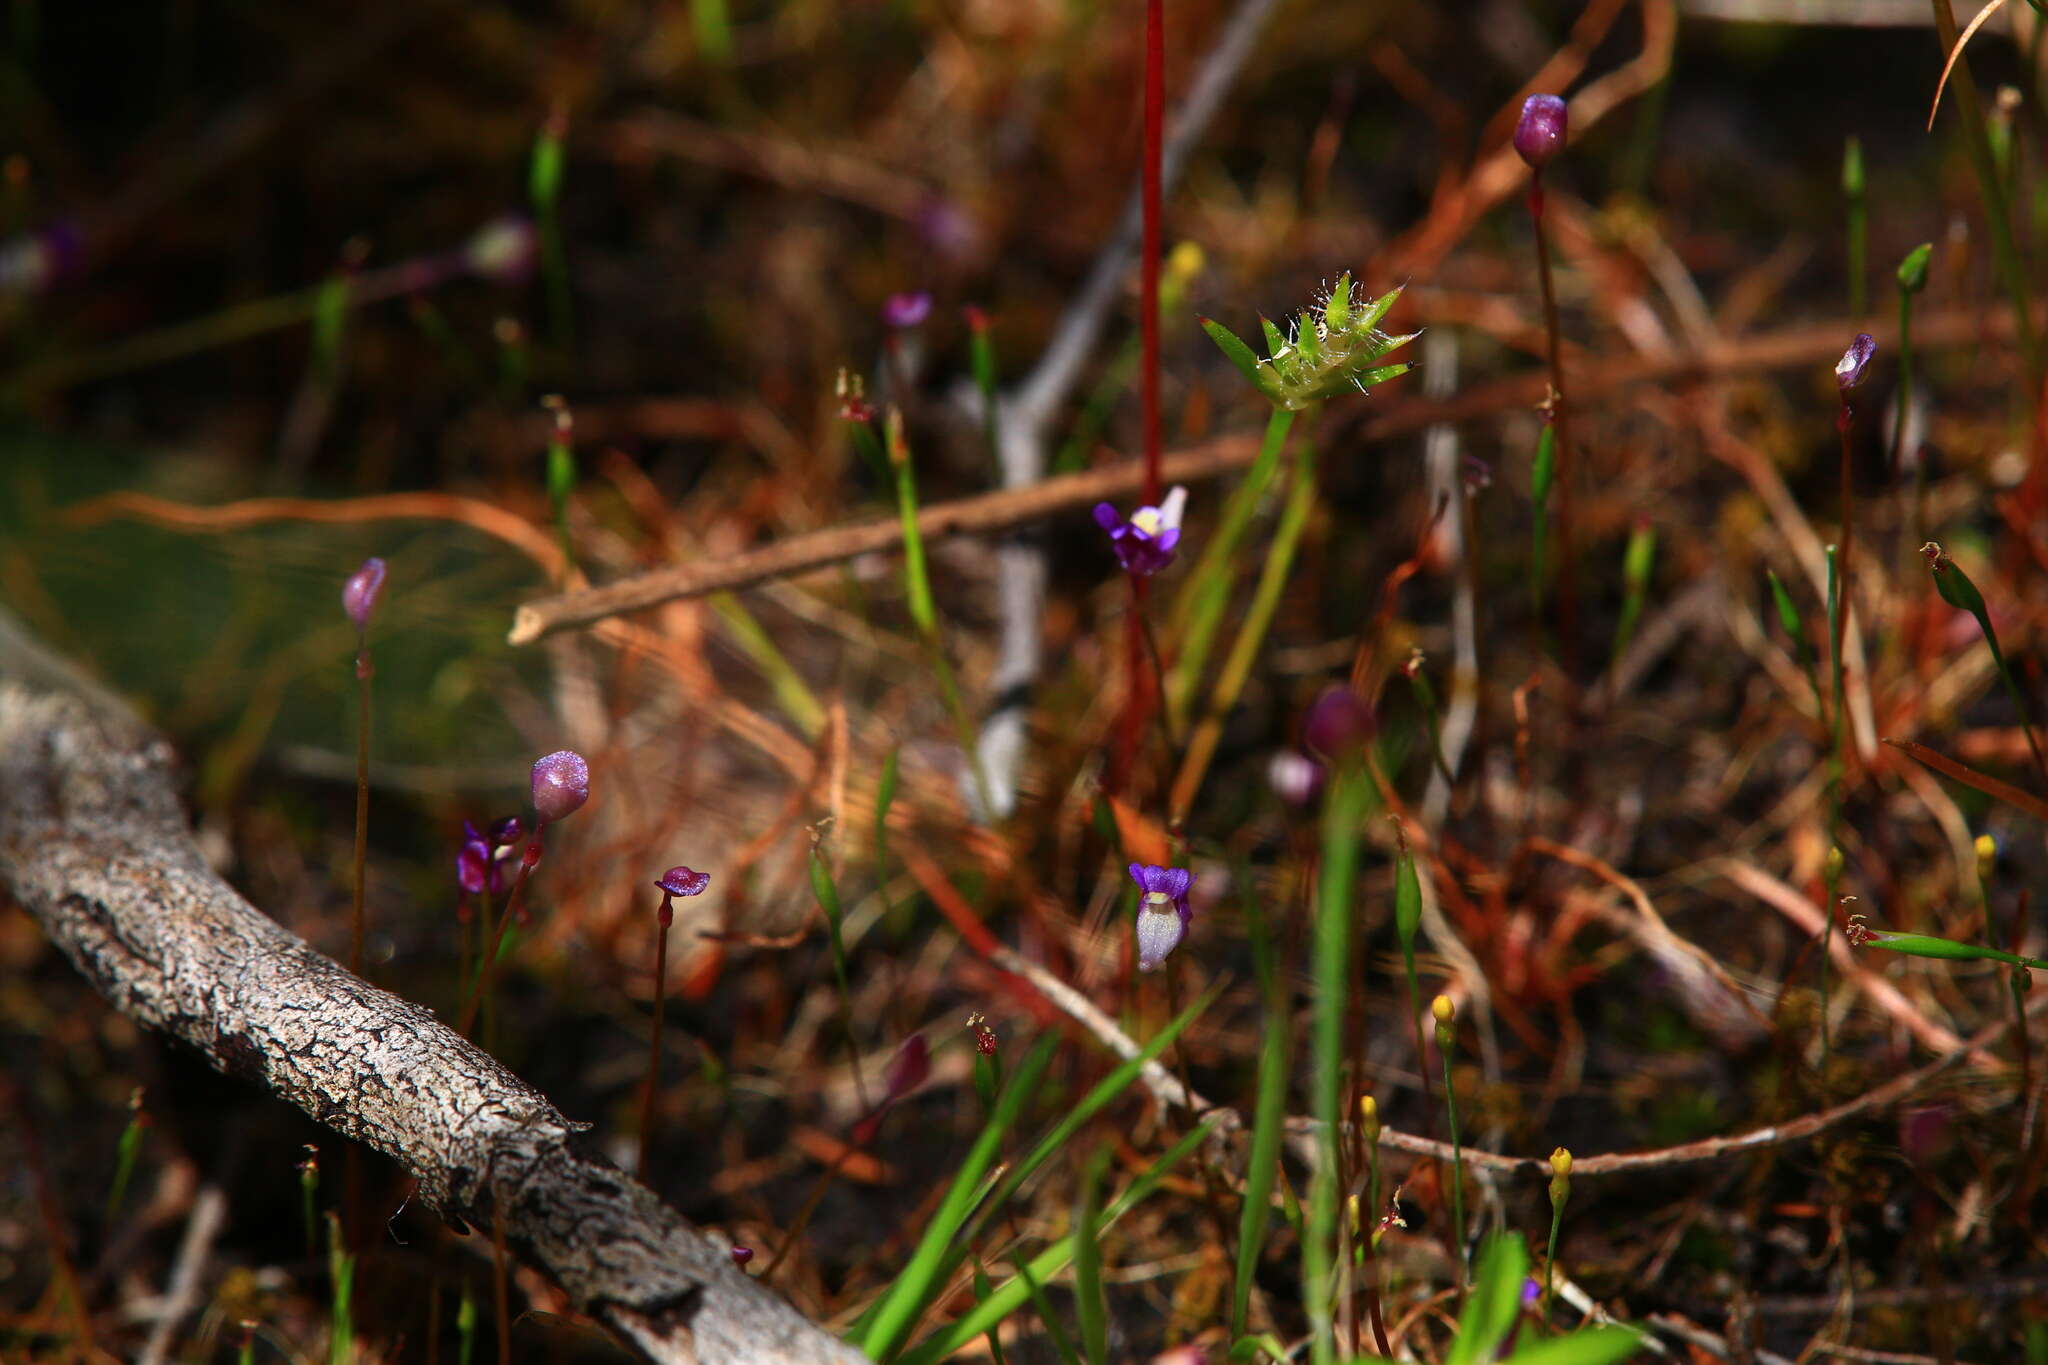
pixel 95 845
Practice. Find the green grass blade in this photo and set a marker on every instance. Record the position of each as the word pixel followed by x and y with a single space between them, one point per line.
pixel 1012 1294
pixel 1091 1304
pixel 1597 1346
pixel 915 1288
pixel 1494 1302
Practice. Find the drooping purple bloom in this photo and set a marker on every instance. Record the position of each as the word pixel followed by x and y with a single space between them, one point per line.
pixel 507 832
pixel 741 1255
pixel 1540 134
pixel 1145 542
pixel 1163 912
pixel 1849 369
pixel 907 309
pixel 561 784
pixel 359 595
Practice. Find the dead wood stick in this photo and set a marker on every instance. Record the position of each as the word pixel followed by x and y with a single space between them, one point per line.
pixel 94 844
pixel 1011 507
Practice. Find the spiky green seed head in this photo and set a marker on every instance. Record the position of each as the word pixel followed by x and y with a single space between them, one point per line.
pixel 1331 346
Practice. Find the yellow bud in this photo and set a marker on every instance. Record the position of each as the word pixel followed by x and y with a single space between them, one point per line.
pixel 1185 260
pixel 1561 1162
pixel 1835 860
pixel 1443 1009
pixel 1987 854
pixel 1369 1118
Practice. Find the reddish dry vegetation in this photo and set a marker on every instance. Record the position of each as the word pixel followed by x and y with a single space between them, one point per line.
pixel 1784 1143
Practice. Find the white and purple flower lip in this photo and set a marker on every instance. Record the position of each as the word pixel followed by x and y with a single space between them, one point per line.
pixel 1163 912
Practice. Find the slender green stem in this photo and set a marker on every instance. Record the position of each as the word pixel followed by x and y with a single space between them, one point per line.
pixel 2012 271
pixel 1344 805
pixel 1560 412
pixel 1859 226
pixel 1446 1044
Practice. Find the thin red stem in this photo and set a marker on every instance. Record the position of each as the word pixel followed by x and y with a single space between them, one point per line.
pixel 1561 474
pixel 654 1041
pixel 1148 270
pixel 487 972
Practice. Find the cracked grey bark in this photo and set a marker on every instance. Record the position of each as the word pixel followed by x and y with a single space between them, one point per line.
pixel 94 844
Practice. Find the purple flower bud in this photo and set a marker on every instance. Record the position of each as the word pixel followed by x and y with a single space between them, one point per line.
pixel 1145 543
pixel 906 310
pixel 1849 369
pixel 359 595
pixel 1163 912
pixel 1339 724
pixel 908 1068
pixel 561 784
pixel 681 881
pixel 1541 133
pixel 741 1255
pixel 507 832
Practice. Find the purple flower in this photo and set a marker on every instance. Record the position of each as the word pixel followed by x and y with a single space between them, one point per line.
pixel 1339 724
pixel 741 1255
pixel 1541 133
pixel 561 784
pixel 1145 543
pixel 1162 911
pixel 681 881
pixel 506 833
pixel 1849 369
pixel 476 869
pixel 906 310
pixel 359 595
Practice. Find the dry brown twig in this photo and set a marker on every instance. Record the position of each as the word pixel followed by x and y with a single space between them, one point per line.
pixel 1167 1089
pixel 1012 507
pixel 94 845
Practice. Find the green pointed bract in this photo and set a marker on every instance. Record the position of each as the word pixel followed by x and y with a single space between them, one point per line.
pixel 1339 306
pixel 1788 615
pixel 1239 354
pixel 1324 352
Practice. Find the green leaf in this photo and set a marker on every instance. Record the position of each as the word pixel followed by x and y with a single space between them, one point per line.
pixel 1494 1302
pixel 1596 1346
pixel 1237 353
pixel 1788 614
pixel 920 1281
pixel 1010 1296
pixel 1275 343
pixel 1927 945
pixel 1089 1300
pixel 1376 310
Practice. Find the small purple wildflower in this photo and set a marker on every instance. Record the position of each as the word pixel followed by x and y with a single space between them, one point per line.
pixel 561 784
pixel 1339 724
pixel 507 832
pixel 741 1255
pixel 906 310
pixel 359 595
pixel 1849 369
pixel 1163 911
pixel 1532 1290
pixel 1144 543
pixel 476 863
pixel 681 881
pixel 1540 134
